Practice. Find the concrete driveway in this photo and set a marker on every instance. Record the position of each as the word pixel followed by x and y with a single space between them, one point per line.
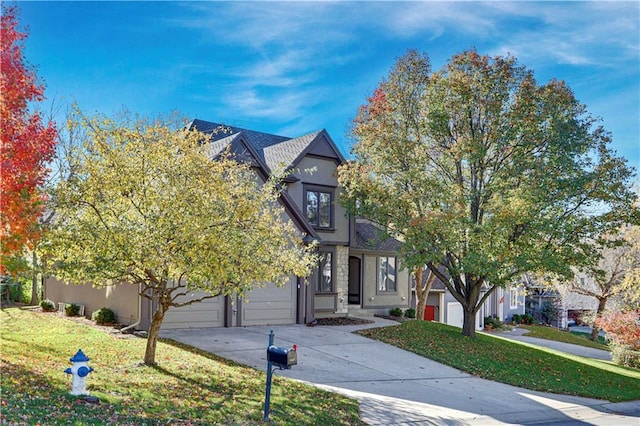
pixel 395 387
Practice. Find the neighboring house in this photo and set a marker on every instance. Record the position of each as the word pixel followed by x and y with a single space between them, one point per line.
pixel 571 306
pixel 443 307
pixel 358 272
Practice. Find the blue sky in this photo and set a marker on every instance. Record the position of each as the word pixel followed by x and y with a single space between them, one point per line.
pixel 295 67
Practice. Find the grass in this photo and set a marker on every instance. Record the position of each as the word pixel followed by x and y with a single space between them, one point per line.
pixel 187 387
pixel 574 337
pixel 515 363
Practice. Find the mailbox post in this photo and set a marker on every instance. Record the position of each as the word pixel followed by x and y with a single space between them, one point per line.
pixel 277 358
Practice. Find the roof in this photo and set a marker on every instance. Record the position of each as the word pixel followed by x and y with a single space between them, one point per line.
pixel 284 154
pixel 268 152
pixel 370 237
pixel 274 151
pixel 437 283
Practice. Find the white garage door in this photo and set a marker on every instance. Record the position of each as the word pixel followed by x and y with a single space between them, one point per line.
pixel 271 305
pixel 208 313
pixel 455 315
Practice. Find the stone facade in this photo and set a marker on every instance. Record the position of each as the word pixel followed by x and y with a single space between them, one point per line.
pixel 342 278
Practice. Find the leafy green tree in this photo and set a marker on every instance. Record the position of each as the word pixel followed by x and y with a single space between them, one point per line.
pixel 156 205
pixel 480 169
pixel 614 275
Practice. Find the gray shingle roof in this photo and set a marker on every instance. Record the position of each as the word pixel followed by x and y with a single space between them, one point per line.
pixel 370 237
pixel 216 147
pixel 284 154
pixel 258 140
pixel 437 284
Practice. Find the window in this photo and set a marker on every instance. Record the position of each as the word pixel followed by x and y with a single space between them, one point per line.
pixel 387 274
pixel 318 204
pixel 324 284
pixel 513 298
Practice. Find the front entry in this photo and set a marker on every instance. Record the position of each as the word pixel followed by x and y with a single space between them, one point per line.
pixel 354 280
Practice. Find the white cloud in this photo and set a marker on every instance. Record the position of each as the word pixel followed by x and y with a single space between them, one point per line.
pixel 590 33
pixel 277 106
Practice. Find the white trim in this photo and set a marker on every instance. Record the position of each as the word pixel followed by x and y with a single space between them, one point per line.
pixel 513 296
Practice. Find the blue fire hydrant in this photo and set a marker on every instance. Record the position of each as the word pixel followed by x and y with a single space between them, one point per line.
pixel 79 370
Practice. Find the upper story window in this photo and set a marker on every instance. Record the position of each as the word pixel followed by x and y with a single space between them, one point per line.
pixel 319 206
pixel 387 274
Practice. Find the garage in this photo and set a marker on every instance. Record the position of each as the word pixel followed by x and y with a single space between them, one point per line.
pixel 270 305
pixel 263 306
pixel 455 315
pixel 208 313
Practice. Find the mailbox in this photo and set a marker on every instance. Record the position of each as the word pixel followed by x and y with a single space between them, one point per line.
pixel 282 357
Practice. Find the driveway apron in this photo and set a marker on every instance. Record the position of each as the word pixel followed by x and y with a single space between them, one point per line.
pixel 395 387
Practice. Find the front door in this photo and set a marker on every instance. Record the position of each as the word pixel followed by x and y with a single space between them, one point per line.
pixel 354 281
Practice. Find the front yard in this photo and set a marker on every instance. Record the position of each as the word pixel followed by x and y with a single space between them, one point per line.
pixel 517 364
pixel 187 386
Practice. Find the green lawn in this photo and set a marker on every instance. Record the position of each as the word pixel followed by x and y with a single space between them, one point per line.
pixel 515 363
pixel 576 338
pixel 187 385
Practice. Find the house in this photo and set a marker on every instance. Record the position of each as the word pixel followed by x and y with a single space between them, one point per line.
pixel 358 271
pixel 443 307
pixel 569 306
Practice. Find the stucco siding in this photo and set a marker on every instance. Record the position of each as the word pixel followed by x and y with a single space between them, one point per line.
pixel 372 298
pixel 317 171
pixel 122 298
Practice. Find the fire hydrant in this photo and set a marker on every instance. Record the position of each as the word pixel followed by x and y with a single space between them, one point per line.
pixel 79 370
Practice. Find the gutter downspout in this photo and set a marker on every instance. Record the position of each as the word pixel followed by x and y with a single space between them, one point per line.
pixel 137 323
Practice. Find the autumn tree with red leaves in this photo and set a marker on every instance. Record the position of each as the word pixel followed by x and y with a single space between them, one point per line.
pixel 26 144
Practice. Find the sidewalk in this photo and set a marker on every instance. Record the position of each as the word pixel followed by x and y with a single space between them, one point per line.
pixel 519 334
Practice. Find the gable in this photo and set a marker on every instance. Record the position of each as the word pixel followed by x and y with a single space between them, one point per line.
pixel 321 147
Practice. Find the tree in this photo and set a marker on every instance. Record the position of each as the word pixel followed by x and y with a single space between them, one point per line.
pixel 26 144
pixel 424 280
pixel 629 290
pixel 623 330
pixel 613 275
pixel 148 204
pixel 480 170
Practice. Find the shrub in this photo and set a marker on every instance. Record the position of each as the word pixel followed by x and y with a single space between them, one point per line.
pixel 395 312
pixel 104 316
pixel 623 329
pixel 526 319
pixel 410 313
pixel 15 289
pixel 47 305
pixel 624 355
pixel 516 318
pixel 549 312
pixel 72 310
pixel 493 322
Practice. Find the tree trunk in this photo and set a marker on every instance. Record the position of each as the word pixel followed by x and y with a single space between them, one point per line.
pixel 424 292
pixel 420 294
pixel 595 331
pixel 469 321
pixel 34 281
pixel 469 308
pixel 152 338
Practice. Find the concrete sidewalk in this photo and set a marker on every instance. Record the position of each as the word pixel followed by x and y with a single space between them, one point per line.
pixel 520 335
pixel 395 387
